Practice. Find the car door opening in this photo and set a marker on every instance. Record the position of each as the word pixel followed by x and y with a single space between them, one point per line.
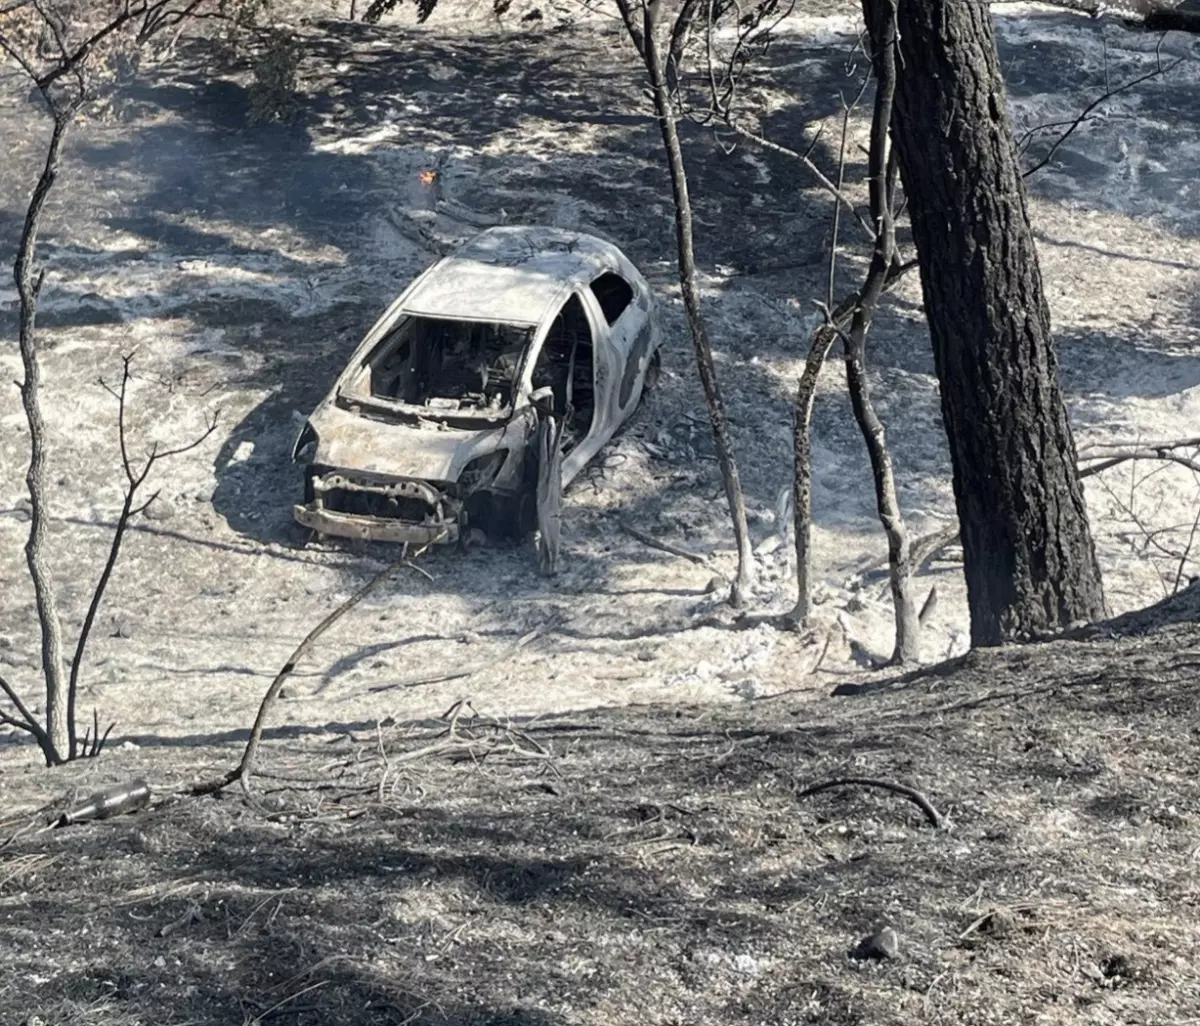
pixel 566 365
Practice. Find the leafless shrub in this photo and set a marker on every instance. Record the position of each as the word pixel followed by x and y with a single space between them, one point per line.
pixel 71 53
pixel 1137 518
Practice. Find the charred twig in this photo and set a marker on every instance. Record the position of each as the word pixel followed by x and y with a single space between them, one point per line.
pixel 1085 115
pixel 809 165
pixel 245 769
pixel 912 794
pixel 467 737
pixel 24 720
pixel 426 678
pixel 723 71
pixel 1149 542
pixel 662 546
pixel 1185 555
pixel 93 741
pixel 847 110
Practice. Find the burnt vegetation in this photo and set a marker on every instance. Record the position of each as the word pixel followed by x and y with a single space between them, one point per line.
pixel 813 819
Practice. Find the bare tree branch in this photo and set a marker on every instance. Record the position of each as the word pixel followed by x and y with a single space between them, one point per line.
pixel 1085 115
pixel 27 721
pixel 134 479
pixel 803 157
pixel 1116 458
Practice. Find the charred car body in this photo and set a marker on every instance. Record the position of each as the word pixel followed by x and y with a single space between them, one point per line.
pixel 431 427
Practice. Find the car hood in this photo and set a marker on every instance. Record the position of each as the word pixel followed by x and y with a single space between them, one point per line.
pixel 350 441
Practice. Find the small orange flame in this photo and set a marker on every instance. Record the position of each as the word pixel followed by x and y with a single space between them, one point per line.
pixel 428 177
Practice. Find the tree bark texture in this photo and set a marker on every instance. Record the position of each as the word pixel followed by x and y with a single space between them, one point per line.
pixel 802 412
pixel 1030 562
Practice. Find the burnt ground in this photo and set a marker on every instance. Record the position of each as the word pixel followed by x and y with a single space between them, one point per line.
pixel 652 865
pixel 242 263
pixel 649 863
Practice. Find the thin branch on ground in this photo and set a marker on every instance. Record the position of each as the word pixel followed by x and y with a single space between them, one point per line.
pixel 244 771
pixel 663 546
pixel 934 817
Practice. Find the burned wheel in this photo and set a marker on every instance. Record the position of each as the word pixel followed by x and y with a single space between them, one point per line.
pixel 502 516
pixel 653 371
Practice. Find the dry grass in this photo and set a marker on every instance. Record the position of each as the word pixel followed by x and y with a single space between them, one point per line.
pixel 657 866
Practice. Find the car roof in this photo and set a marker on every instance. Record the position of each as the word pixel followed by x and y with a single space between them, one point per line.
pixel 510 275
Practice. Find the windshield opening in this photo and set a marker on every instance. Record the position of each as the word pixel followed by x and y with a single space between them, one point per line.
pixel 449 366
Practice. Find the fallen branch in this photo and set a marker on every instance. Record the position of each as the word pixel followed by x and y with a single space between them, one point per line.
pixel 912 794
pixel 422 679
pixel 245 769
pixel 466 737
pixel 663 546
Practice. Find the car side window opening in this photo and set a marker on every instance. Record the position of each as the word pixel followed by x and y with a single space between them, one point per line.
pixel 445 364
pixel 566 366
pixel 614 294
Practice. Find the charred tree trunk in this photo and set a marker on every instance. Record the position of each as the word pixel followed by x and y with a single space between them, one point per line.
pixel 1030 563
pixel 58 743
pixel 656 66
pixel 802 411
pixel 882 178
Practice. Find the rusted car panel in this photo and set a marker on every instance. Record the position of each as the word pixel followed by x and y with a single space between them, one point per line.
pixel 431 427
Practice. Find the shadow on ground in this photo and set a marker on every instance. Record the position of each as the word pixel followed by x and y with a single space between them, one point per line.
pixel 657 865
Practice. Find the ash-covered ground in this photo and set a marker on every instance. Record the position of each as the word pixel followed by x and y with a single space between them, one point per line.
pixel 242 264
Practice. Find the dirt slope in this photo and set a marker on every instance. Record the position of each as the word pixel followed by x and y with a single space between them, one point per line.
pixel 652 866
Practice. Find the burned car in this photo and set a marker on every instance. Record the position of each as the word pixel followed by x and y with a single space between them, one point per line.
pixel 432 426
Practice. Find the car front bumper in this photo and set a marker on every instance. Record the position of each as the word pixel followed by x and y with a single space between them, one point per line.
pixel 355 525
pixel 417 512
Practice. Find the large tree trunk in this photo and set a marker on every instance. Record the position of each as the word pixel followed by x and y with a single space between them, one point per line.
pixel 1030 562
